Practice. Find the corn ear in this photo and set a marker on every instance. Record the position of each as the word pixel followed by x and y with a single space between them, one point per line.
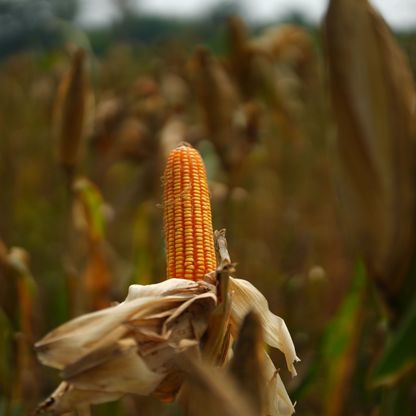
pixel 72 104
pixel 187 216
pixel 374 103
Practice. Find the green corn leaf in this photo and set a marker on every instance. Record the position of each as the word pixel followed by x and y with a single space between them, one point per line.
pixel 92 201
pixel 338 347
pixel 399 356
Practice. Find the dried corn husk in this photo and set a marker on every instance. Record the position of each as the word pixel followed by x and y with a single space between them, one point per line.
pixel 82 336
pixel 126 348
pixel 218 99
pixel 66 397
pixel 278 401
pixel 248 363
pixel 135 346
pixel 240 56
pixel 374 102
pixel 246 298
pixel 72 112
pixel 210 391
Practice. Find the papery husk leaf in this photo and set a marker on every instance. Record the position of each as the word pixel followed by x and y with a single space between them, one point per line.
pixel 374 101
pixel 78 337
pixel 121 371
pixel 247 364
pixel 278 401
pixel 66 398
pixel 218 341
pixel 209 391
pixel 183 287
pixel 246 298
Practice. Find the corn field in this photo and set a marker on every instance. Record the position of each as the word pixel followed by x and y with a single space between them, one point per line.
pixel 295 295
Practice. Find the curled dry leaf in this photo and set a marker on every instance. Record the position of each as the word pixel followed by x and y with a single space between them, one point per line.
pixel 66 397
pixel 278 401
pixel 246 298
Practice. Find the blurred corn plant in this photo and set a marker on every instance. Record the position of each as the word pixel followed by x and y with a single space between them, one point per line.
pixel 18 362
pixel 374 103
pixel 373 98
pixel 72 114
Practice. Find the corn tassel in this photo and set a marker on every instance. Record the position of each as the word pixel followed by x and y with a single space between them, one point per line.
pixel 187 216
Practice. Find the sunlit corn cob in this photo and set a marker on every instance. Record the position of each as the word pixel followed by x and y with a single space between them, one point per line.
pixel 187 216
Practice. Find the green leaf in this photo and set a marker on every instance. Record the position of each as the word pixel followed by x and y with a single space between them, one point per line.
pixel 399 356
pixel 93 204
pixel 341 341
pixel 338 346
pixel 340 330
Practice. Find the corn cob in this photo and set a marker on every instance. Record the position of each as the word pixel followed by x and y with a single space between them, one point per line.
pixel 187 216
pixel 71 111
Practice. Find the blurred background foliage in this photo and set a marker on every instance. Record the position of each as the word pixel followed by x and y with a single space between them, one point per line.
pixel 308 138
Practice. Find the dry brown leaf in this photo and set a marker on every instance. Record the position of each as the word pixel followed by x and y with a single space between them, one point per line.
pixel 278 401
pixel 247 364
pixel 209 391
pixel 66 398
pixel 246 297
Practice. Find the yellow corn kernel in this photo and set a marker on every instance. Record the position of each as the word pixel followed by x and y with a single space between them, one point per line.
pixel 187 216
